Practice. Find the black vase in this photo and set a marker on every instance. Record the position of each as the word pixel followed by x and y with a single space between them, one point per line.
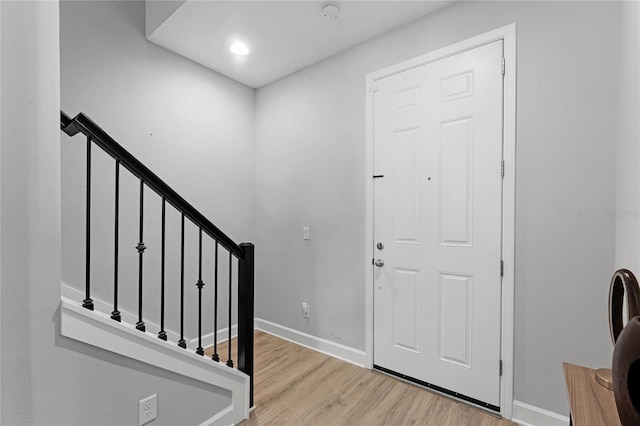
pixel 626 373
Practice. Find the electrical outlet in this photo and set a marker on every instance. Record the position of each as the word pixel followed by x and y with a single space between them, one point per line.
pixel 148 409
pixel 305 309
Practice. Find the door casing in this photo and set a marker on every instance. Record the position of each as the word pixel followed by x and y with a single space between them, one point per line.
pixel 508 35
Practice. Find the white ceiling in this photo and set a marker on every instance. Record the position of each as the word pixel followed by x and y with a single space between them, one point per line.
pixel 283 36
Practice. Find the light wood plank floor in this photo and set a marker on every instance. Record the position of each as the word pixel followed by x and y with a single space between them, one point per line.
pixel 298 386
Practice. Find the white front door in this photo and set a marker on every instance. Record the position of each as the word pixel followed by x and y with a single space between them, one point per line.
pixel 438 222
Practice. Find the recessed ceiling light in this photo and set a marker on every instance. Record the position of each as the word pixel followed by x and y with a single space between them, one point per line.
pixel 239 48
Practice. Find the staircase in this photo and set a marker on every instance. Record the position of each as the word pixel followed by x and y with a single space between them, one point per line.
pixel 162 331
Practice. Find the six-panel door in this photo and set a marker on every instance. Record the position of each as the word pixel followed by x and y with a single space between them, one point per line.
pixel 438 213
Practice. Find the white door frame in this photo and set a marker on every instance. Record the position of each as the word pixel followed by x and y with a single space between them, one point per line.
pixel 508 35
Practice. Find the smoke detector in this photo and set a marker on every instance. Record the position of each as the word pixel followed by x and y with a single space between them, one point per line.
pixel 330 12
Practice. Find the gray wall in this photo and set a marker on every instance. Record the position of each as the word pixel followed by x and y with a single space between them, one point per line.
pixel 46 378
pixel 627 212
pixel 309 171
pixel 310 141
pixel 158 13
pixel 188 124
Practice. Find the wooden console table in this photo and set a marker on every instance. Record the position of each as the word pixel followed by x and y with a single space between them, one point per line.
pixel 591 403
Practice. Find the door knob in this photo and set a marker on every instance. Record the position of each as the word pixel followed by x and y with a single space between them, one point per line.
pixel 379 263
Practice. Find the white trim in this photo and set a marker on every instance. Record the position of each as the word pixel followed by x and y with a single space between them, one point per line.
pixel 223 418
pixel 98 329
pixel 530 415
pixel 66 291
pixel 58 58
pixel 368 222
pixel 127 317
pixel 508 35
pixel 327 347
pixel 223 336
pixel 508 220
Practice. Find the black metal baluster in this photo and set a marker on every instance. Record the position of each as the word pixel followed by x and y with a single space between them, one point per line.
pixel 162 334
pixel 141 248
pixel 182 343
pixel 200 284
pixel 243 253
pixel 115 315
pixel 215 355
pixel 88 302
pixel 229 360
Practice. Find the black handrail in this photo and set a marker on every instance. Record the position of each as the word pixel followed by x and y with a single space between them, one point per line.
pixel 243 252
pixel 83 124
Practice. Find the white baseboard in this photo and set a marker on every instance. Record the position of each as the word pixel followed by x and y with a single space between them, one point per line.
pixel 223 336
pixel 223 418
pixel 336 350
pixel 530 415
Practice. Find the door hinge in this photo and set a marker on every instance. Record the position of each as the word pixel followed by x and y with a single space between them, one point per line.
pixel 501 367
pixel 503 66
pixel 502 268
pixel 502 168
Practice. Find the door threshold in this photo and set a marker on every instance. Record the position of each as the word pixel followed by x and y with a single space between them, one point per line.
pixel 489 408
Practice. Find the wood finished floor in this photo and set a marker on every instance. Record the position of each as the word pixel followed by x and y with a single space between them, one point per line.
pixel 294 385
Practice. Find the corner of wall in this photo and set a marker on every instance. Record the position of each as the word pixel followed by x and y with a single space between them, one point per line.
pixel 529 415
pixel 157 12
pixel 626 212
